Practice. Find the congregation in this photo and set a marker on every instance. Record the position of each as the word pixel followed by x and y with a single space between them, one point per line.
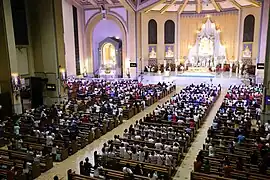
pixel 41 136
pixel 237 145
pixel 154 146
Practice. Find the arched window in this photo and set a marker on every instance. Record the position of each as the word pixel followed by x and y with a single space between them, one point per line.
pixel 249 28
pixel 152 32
pixel 169 32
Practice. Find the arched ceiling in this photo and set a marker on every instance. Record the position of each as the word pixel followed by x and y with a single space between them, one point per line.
pixel 180 6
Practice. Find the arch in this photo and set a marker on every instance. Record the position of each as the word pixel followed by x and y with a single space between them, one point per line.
pixel 152 32
pixel 169 32
pixel 249 24
pixel 89 28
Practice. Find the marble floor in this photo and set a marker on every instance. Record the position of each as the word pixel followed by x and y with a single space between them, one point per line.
pixel 72 162
pixel 225 79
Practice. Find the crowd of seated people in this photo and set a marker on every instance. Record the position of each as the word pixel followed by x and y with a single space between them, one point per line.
pixel 237 145
pixel 42 135
pixel 153 147
pixel 114 95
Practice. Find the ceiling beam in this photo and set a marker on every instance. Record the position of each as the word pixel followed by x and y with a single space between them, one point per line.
pixel 109 1
pixel 219 6
pixel 167 6
pixel 215 5
pixel 199 6
pixel 128 5
pixel 255 3
pixel 236 4
pixel 182 7
pixel 149 8
pixel 93 2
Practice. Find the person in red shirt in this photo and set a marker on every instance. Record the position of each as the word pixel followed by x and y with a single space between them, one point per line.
pixel 85 119
pixel 174 118
pixel 191 123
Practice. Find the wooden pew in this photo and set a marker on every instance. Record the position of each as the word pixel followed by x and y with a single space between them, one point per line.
pixel 116 162
pixel 203 176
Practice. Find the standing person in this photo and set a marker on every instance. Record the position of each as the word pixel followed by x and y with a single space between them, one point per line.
pixel 82 172
pixel 138 170
pixel 16 129
pixel 87 167
pixel 49 140
pixel 128 174
pixel 153 175
pixel 207 167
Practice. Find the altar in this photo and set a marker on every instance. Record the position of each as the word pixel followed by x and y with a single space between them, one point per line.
pixel 107 71
pixel 208 51
pixel 198 69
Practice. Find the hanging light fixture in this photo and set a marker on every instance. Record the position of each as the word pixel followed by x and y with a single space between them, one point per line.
pixel 205 2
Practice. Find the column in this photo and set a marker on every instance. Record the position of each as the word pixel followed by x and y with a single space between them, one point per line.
pixel 47 36
pixel 266 82
pixel 263 36
pixel 8 62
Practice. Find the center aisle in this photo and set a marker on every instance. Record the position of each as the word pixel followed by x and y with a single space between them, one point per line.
pixel 187 165
pixel 72 162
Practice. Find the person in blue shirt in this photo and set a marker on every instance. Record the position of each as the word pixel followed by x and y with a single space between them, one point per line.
pixel 240 138
pixel 169 117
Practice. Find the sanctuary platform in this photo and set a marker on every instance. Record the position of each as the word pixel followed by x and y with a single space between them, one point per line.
pixel 198 70
pixel 197 74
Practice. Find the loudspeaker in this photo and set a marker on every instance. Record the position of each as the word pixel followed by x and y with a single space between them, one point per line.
pixel 36 86
pixel 6 105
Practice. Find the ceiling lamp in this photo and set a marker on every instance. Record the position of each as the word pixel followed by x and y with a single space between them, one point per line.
pixel 206 2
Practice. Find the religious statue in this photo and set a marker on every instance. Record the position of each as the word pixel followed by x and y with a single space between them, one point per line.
pixel 247 52
pixel 152 53
pixel 169 53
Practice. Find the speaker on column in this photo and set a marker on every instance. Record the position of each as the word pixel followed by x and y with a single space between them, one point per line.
pixel 36 86
pixel 6 105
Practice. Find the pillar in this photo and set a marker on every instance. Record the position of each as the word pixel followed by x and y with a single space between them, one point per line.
pixel 47 37
pixel 263 36
pixel 8 62
pixel 266 82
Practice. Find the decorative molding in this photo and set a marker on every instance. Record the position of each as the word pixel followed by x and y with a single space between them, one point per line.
pixel 194 14
pixel 182 7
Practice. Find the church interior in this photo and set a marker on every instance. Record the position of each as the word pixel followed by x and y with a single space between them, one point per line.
pixel 134 89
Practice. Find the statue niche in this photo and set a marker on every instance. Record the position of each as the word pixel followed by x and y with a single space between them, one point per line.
pixel 110 58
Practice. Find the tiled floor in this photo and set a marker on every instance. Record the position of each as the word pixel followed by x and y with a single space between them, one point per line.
pixel 72 162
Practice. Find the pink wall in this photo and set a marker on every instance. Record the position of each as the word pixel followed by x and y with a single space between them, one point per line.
pixel 104 29
pixel 120 11
pixel 89 13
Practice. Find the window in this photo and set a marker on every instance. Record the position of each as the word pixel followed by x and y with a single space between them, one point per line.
pixel 76 41
pixel 19 22
pixel 152 32
pixel 169 32
pixel 249 29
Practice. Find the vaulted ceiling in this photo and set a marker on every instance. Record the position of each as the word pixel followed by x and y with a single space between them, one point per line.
pixel 180 6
